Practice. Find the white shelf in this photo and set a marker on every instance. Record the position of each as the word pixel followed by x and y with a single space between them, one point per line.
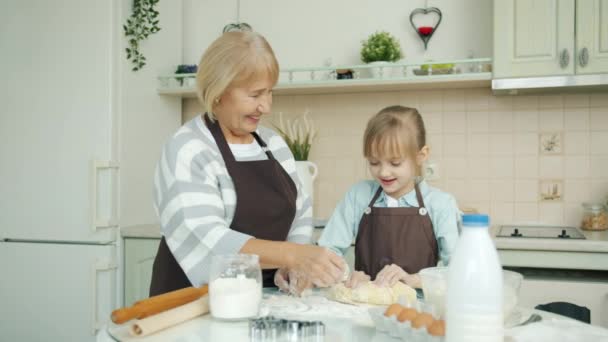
pixel 398 76
pixel 470 80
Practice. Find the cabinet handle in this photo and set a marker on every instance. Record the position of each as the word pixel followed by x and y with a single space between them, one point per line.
pixel 98 222
pixel 583 57
pixel 564 58
pixel 98 266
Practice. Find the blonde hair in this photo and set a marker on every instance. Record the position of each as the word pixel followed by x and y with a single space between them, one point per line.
pixel 234 58
pixel 395 132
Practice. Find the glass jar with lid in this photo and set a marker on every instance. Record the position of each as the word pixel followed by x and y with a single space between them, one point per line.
pixel 235 286
pixel 595 217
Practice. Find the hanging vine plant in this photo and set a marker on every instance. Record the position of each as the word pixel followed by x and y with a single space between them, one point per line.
pixel 142 23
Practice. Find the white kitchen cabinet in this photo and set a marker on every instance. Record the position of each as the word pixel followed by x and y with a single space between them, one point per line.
pixel 592 36
pixel 579 289
pixel 139 258
pixel 533 38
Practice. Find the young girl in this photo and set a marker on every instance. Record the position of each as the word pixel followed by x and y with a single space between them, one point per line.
pixel 400 223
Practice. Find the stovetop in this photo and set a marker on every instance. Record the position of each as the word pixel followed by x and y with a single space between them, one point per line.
pixel 540 232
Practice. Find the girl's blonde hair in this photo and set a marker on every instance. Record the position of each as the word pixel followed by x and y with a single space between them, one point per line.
pixel 235 58
pixel 395 132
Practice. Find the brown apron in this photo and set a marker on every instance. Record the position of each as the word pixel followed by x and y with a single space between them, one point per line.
pixel 403 236
pixel 265 208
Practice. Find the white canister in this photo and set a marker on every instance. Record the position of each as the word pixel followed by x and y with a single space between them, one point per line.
pixel 235 286
pixel 307 172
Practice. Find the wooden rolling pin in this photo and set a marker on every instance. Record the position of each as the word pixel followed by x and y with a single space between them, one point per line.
pixel 153 305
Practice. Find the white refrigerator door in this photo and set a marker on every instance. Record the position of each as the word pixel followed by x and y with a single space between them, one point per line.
pixel 58 113
pixel 55 292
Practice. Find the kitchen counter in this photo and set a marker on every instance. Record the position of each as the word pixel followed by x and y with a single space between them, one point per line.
pixel 339 327
pixel 595 241
pixel 142 231
pixel 590 253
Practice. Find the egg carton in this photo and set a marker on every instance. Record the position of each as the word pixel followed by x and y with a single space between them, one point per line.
pixel 403 330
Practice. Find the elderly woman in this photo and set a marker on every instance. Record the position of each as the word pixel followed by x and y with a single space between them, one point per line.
pixel 226 185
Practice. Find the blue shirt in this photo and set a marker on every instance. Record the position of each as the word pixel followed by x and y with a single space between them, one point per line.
pixel 341 229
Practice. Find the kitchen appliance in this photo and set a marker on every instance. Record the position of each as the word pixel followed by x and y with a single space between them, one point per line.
pixel 539 232
pixel 81 135
pixel 58 175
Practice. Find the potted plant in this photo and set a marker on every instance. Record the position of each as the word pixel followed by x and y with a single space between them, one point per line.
pixel 299 134
pixel 380 48
pixel 189 80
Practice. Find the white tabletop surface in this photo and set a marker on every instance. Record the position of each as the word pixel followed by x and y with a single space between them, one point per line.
pixel 343 323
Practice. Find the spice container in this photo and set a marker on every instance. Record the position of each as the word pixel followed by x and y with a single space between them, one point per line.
pixel 235 286
pixel 594 217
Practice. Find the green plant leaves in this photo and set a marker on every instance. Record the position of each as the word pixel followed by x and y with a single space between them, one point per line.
pixel 380 46
pixel 141 24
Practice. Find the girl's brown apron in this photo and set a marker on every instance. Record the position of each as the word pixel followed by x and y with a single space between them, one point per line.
pixel 403 236
pixel 265 208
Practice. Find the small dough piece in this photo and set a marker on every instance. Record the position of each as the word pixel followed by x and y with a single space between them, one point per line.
pixel 370 293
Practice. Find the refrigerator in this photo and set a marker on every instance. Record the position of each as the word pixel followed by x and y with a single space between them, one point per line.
pixel 59 173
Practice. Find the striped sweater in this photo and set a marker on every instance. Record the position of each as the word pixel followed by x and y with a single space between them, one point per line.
pixel 195 197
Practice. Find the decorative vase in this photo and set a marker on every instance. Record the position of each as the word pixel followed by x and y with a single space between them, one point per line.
pixel 307 172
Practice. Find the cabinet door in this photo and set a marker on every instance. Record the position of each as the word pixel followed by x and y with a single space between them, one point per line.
pixel 591 36
pixel 139 257
pixel 533 38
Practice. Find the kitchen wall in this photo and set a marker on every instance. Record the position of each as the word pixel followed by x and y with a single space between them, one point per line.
pixel 308 33
pixel 487 148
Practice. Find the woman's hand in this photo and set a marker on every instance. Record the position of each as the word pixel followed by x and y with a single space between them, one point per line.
pixel 319 265
pixel 356 278
pixel 289 282
pixel 391 274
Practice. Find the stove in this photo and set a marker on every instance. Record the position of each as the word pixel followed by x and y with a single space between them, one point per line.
pixel 540 232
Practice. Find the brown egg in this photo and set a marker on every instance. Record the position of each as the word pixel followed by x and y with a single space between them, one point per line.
pixel 407 314
pixel 422 320
pixel 437 328
pixel 393 310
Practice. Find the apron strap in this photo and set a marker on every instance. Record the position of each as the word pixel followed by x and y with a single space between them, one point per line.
pixel 263 145
pixel 419 196
pixel 222 144
pixel 371 203
pixel 379 191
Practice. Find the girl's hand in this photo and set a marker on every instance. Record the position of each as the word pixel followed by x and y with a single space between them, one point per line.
pixel 391 274
pixel 356 278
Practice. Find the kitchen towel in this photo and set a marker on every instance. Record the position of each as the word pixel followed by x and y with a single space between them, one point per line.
pixel 163 320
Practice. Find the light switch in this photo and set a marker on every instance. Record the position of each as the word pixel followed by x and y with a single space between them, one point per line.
pixel 430 171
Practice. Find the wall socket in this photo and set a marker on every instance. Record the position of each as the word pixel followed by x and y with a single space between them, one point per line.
pixel 430 171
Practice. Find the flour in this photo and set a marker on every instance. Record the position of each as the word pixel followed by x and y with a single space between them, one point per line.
pixel 314 307
pixel 235 298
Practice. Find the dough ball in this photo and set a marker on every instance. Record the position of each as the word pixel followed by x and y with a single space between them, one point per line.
pixel 370 293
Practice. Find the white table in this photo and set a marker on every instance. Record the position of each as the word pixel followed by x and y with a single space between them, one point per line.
pixel 344 323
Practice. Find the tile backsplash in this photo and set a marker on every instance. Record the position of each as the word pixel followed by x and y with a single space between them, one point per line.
pixel 522 159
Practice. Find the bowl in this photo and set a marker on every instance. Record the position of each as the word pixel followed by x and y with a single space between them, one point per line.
pixel 434 286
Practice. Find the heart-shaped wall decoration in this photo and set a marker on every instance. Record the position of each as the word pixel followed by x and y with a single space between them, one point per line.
pixel 236 27
pixel 426 32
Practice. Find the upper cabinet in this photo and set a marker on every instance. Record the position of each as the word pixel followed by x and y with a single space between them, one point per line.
pixel 550 37
pixel 592 36
pixel 533 38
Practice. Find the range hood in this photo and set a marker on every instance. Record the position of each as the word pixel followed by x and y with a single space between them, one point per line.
pixel 515 86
